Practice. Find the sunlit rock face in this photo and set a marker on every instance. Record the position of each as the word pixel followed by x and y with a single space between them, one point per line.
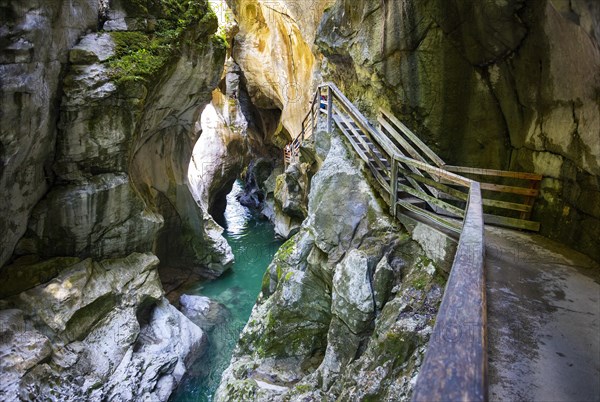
pixel 237 139
pixel 218 156
pixel 511 85
pixel 273 48
pixel 98 330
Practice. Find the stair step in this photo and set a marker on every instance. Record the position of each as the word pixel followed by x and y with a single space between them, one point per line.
pixel 382 160
pixel 414 201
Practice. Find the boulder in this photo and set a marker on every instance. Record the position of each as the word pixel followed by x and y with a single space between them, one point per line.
pixel 325 298
pixel 203 311
pixel 352 298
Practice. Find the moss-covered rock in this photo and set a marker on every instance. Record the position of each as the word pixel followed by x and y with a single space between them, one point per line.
pixel 323 326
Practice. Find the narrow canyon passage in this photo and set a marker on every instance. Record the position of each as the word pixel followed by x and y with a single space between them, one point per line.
pixel 155 153
pixel 253 243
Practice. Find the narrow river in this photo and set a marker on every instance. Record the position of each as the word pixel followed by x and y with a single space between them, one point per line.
pixel 253 243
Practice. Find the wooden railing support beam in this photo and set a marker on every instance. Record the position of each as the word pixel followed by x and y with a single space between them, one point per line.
pixel 394 187
pixel 329 109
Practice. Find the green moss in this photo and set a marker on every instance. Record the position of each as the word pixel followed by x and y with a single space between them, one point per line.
pixel 139 56
pixel 303 388
pixel 220 40
pixel 395 347
pixel 241 390
pixel 266 284
pixel 286 249
pixel 419 283
pixel 182 12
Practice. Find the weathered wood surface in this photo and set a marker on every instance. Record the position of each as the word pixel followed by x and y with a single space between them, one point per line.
pixel 455 364
pixel 511 222
pixel 530 192
pixel 414 138
pixel 493 172
pixel 448 224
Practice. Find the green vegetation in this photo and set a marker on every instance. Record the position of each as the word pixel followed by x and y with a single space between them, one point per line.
pixel 182 13
pixel 140 55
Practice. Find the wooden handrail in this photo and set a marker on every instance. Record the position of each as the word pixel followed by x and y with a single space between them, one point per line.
pixel 494 172
pixel 416 141
pixel 455 364
pixel 499 211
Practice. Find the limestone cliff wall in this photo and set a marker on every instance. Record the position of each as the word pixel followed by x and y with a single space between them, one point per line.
pixel 274 50
pixel 96 136
pixel 35 39
pixel 115 135
pixel 511 85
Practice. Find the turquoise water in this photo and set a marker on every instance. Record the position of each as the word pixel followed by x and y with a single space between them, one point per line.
pixel 253 243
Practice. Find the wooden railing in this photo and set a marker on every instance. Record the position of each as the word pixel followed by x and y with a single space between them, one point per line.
pixel 291 151
pixel 455 365
pixel 508 196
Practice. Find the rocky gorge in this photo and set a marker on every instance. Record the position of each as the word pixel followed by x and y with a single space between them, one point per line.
pixel 124 125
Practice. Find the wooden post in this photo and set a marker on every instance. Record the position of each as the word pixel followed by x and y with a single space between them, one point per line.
pixel 394 186
pixel 312 116
pixel 530 200
pixel 329 109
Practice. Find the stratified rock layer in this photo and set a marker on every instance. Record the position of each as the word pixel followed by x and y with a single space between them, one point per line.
pixel 36 38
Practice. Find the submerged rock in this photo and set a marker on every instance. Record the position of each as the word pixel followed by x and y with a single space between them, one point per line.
pixel 203 311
